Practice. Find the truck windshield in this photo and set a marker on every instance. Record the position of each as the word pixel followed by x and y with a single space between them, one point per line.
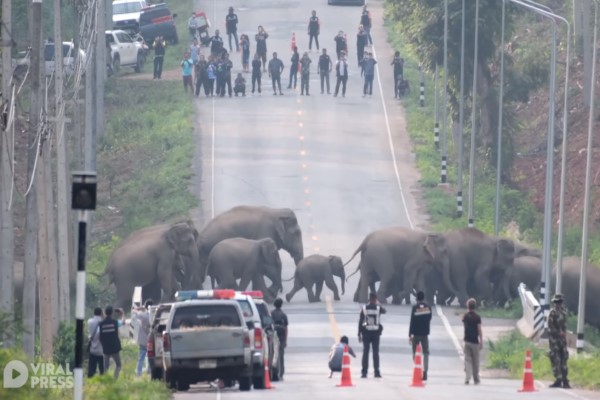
pixel 205 316
pixel 126 8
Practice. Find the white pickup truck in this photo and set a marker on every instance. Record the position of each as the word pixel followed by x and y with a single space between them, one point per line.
pixel 205 340
pixel 125 51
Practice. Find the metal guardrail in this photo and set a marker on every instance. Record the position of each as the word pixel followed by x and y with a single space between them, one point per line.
pixel 531 324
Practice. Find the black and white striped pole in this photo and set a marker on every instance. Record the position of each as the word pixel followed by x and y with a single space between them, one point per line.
pixel 436 120
pixel 83 199
pixel 422 88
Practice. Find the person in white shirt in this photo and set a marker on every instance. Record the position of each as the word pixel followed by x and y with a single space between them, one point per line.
pixel 142 317
pixel 336 355
pixel 341 73
pixel 96 355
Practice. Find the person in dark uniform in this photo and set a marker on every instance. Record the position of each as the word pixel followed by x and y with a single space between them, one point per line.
pixel 557 339
pixel 275 69
pixel 280 320
pixel 201 74
pixel 341 74
pixel 261 45
pixel 111 343
pixel 227 67
pixel 369 332
pixel 361 43
pixel 473 342
pixel 295 60
pixel 231 21
pixel 398 64
pixel 216 44
pixel 256 72
pixel 418 330
pixel 314 28
pixel 323 69
pixel 365 21
pixel 341 44
pixel 159 55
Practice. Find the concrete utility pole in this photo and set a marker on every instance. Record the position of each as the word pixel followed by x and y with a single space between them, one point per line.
pixel 63 188
pixel 473 122
pixel 7 259
pixel 444 172
pixel 44 273
pixel 100 66
pixel 461 118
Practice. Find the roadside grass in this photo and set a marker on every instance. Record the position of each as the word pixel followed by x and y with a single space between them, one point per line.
pixel 509 353
pixel 127 387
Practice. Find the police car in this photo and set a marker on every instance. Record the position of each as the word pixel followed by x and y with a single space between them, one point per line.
pixel 260 343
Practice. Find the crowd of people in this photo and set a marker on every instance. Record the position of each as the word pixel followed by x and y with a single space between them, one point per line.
pixel 213 73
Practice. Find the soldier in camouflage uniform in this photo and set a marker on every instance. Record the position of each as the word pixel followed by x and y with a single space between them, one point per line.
pixel 557 337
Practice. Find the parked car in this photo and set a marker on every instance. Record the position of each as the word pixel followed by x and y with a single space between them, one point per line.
pixel 126 14
pixel 125 51
pixel 69 59
pixel 157 20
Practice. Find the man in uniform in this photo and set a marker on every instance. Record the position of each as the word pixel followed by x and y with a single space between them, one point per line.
pixel 418 331
pixel 557 338
pixel 324 68
pixel 275 69
pixel 231 21
pixel 341 74
pixel 280 320
pixel 369 332
pixel 314 28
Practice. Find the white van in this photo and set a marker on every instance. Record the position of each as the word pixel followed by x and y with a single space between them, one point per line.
pixel 126 14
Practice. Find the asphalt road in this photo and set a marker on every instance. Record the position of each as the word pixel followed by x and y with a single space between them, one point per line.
pixel 345 166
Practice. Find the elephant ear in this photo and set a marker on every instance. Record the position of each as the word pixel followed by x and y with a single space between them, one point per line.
pixel 267 249
pixel 505 250
pixel 434 245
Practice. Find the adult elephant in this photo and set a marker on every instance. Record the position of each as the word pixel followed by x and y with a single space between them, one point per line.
pixel 315 270
pixel 251 222
pixel 467 258
pixel 525 269
pixel 249 261
pixel 570 288
pixel 148 256
pixel 395 255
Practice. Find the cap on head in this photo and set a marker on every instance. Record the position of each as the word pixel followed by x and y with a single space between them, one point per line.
pixel 108 310
pixel 557 298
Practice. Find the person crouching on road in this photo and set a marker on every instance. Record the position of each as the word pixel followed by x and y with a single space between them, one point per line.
pixel 240 85
pixel 336 355
pixel 418 331
pixel 369 333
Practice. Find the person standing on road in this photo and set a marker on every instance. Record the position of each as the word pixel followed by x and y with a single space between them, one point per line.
pixel 324 68
pixel 159 46
pixel 275 69
pixel 336 355
pixel 195 51
pixel 216 44
pixel 187 66
pixel 227 67
pixel 96 354
pixel 418 330
pixel 211 76
pixel 142 317
pixel 245 45
pixel 280 320
pixel 200 72
pixel 368 71
pixel 361 43
pixel 369 333
pixel 557 338
pixel 193 25
pixel 473 342
pixel 305 62
pixel 261 45
pixel 398 64
pixel 341 43
pixel 314 28
pixel 295 60
pixel 231 21
pixel 365 21
pixel 111 343
pixel 341 74
pixel 256 72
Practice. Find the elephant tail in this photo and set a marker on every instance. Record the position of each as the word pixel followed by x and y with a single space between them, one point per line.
pixel 355 271
pixel 360 248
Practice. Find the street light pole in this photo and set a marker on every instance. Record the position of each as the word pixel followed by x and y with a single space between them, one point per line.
pixel 586 202
pixel 500 119
pixel 444 173
pixel 461 117
pixel 473 120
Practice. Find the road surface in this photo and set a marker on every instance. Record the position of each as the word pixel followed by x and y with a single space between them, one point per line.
pixel 345 166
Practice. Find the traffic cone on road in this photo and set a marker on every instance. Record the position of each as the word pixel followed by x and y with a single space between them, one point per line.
pixel 528 385
pixel 268 377
pixel 293 40
pixel 417 380
pixel 346 376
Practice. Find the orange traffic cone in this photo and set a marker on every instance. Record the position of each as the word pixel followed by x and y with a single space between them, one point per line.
pixel 268 377
pixel 346 376
pixel 417 380
pixel 293 40
pixel 528 385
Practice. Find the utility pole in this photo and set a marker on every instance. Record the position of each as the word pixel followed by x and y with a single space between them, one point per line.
pixel 100 66
pixel 471 208
pixel 63 189
pixel 44 273
pixel 444 172
pixel 7 258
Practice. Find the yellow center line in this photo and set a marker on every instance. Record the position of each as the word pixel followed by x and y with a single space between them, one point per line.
pixel 332 320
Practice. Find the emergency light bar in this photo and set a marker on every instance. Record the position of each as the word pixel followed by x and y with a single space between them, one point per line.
pixel 257 294
pixel 204 294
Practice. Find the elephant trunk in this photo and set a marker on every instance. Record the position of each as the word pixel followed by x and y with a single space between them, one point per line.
pixel 447 277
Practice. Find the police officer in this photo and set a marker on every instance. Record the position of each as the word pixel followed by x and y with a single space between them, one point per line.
pixel 418 331
pixel 557 338
pixel 280 320
pixel 231 21
pixel 369 332
pixel 314 28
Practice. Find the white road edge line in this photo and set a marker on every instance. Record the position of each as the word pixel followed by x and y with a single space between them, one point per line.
pixel 455 341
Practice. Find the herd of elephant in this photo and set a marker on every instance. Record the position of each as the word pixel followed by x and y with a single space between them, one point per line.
pixel 241 246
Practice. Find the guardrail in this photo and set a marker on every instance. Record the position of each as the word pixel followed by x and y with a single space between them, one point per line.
pixel 531 324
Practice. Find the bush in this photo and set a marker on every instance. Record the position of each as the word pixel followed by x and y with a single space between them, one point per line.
pixel 64 344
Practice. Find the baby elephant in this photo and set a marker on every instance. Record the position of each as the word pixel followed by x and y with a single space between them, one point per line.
pixel 314 270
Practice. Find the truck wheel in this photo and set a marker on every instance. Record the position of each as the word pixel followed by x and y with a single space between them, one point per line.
pixel 245 383
pixel 139 65
pixel 182 386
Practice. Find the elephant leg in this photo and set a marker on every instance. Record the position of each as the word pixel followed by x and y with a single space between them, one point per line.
pixel 152 292
pixel 363 289
pixel 332 286
pixel 318 290
pixel 295 289
pixel 245 281
pixel 258 283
